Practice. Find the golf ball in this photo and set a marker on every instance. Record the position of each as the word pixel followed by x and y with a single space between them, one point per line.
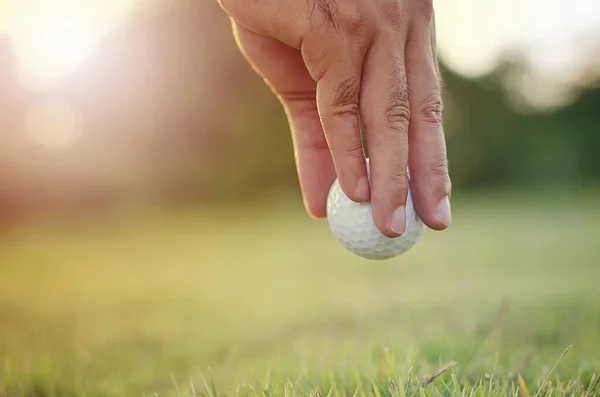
pixel 352 224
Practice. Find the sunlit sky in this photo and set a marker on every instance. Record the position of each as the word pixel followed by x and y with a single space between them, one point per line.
pixel 473 33
pixel 52 37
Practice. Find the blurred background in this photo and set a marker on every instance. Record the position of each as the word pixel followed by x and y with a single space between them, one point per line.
pixel 151 222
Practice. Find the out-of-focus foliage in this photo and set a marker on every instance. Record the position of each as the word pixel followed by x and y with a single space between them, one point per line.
pixel 171 113
pixel 492 142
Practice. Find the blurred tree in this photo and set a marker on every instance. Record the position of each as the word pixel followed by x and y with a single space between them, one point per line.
pixel 491 143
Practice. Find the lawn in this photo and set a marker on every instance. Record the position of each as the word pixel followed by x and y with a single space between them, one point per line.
pixel 263 301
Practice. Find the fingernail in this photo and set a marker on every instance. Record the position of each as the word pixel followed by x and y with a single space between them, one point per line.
pixel 443 211
pixel 398 222
pixel 363 189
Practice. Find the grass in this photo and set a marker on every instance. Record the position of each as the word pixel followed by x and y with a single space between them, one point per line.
pixel 262 301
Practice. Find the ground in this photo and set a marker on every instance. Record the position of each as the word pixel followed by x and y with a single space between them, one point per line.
pixel 263 301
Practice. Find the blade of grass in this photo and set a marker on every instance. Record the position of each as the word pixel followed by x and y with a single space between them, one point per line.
pixel 523 387
pixel 430 378
pixel 540 390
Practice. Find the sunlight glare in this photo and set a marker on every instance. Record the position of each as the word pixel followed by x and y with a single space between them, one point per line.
pixel 52 38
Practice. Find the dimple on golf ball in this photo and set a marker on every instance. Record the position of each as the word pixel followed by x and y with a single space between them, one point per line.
pixel 352 224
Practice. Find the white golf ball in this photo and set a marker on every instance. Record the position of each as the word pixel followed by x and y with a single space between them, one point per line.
pixel 352 224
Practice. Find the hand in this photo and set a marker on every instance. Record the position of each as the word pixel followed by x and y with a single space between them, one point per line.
pixel 329 61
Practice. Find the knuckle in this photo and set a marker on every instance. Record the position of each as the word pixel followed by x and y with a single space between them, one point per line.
pixel 431 109
pixel 394 15
pixel 393 10
pixel 397 115
pixel 439 167
pixel 353 22
pixel 347 93
pixel 396 109
pixel 340 110
pixel 399 179
pixel 344 101
pixel 425 7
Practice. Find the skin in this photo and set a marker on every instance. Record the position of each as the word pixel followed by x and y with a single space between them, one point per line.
pixel 335 64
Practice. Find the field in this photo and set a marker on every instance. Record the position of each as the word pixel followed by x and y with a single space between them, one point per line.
pixel 263 301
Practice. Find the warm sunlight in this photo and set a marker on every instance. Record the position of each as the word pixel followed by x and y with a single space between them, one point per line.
pixel 473 35
pixel 53 123
pixel 52 38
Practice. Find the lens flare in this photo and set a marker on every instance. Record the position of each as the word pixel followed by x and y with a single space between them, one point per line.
pixel 53 38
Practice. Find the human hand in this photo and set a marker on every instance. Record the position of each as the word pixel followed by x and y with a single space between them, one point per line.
pixel 336 63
